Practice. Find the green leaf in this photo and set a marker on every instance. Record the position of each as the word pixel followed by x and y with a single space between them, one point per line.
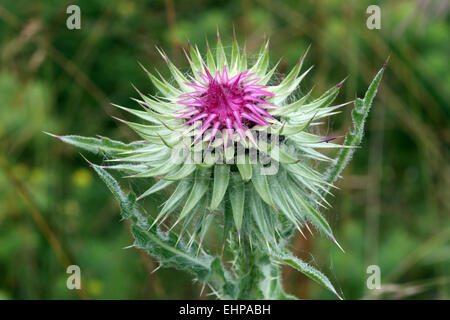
pixel 221 57
pixel 177 197
pixel 258 212
pixel 221 179
pixel 235 56
pixel 198 191
pixel 282 156
pixel 307 270
pixel 160 170
pixel 166 247
pixel 312 214
pixel 245 169
pixel 164 87
pixel 261 185
pixel 282 203
pixel 237 199
pixel 354 137
pixel 161 184
pixel 185 170
pixel 260 67
pixel 99 145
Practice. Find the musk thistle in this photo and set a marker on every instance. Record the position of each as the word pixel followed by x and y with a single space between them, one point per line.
pixel 235 146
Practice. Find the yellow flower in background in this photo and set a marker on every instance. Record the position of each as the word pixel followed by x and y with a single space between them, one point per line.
pixel 82 178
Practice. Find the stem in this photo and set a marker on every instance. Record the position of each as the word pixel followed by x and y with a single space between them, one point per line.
pixel 258 277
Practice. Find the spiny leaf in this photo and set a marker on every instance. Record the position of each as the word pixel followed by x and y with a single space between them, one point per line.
pixel 166 247
pixel 307 270
pixel 353 138
pixel 245 169
pixel 261 185
pixel 198 191
pixel 221 179
pixel 99 145
pixel 161 184
pixel 237 199
pixel 177 197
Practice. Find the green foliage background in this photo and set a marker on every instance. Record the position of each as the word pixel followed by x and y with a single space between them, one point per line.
pixel 393 205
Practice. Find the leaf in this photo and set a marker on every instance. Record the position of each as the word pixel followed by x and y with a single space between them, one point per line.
pixel 312 214
pixel 221 179
pixel 261 185
pixel 161 184
pixel 237 199
pixel 260 67
pixel 99 145
pixel 221 57
pixel 164 87
pixel 176 198
pixel 196 61
pixel 245 169
pixel 185 170
pixel 307 270
pixel 354 137
pixel 166 167
pixel 210 63
pixel 198 191
pixel 151 116
pixel 166 247
pixel 282 156
pixel 258 212
pixel 282 203
pixel 235 56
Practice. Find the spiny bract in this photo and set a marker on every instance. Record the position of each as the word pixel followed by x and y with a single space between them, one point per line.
pixel 224 102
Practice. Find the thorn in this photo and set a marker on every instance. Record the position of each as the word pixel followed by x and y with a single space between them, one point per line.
pixel 386 62
pixel 156 269
pixel 309 229
pixel 326 139
pixel 142 66
pixel 123 121
pixel 164 141
pixel 239 237
pixel 300 230
pixel 337 243
pixel 281 129
pixel 341 83
pixel 207 45
pixel 163 55
pixel 52 135
pixel 199 247
pixel 203 288
pixel 90 163
pixel 304 55
pixel 187 55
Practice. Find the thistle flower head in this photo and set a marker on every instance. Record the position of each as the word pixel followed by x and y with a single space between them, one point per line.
pixel 222 102
pixel 225 102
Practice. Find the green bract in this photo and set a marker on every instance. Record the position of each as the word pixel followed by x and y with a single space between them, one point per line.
pixel 260 200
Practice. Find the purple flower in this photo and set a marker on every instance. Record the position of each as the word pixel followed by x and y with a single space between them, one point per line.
pixel 221 102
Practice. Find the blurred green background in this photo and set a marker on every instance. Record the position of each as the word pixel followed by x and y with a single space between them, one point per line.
pixel 392 208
